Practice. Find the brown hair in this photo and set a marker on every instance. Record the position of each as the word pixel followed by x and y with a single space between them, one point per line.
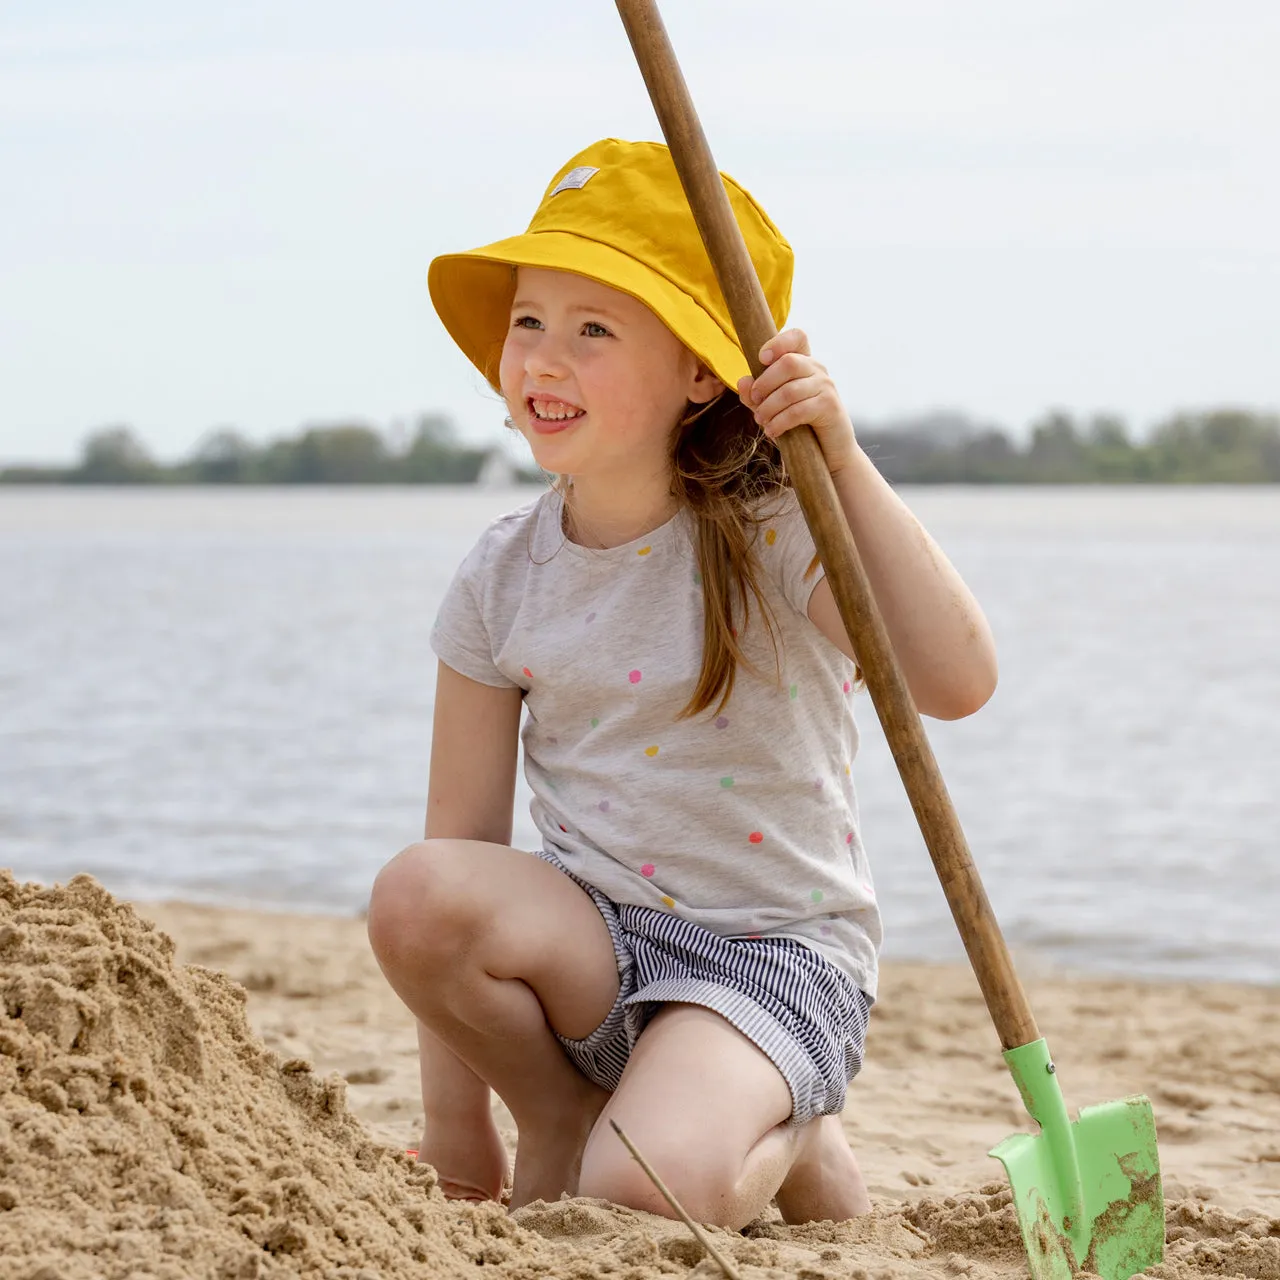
pixel 723 470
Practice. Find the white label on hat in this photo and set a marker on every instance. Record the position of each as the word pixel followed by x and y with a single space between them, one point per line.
pixel 575 179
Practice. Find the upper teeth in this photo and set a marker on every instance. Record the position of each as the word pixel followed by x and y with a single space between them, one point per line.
pixel 545 409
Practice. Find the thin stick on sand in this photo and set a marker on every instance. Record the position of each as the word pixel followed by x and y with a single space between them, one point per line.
pixel 701 1236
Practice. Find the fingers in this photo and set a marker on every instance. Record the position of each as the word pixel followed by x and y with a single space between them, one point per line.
pixel 791 375
pixel 788 367
pixel 780 344
pixel 797 402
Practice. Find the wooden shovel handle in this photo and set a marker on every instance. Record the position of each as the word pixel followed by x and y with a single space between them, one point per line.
pixel 802 454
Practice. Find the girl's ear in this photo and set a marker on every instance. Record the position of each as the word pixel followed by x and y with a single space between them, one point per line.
pixel 706 386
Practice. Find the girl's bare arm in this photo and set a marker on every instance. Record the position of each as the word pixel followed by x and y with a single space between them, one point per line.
pixel 471 795
pixel 938 631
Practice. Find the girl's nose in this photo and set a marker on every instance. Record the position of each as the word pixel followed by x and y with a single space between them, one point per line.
pixel 546 358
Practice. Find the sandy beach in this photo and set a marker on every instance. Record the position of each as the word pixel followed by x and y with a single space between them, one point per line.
pixel 237 1103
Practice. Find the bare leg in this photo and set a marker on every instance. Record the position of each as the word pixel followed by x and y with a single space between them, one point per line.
pixel 824 1182
pixel 459 1139
pixel 493 950
pixel 708 1110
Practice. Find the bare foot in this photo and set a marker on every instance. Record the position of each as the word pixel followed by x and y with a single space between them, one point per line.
pixel 549 1149
pixel 470 1160
pixel 825 1181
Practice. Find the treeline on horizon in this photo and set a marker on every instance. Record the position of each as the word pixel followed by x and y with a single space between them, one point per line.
pixel 1217 446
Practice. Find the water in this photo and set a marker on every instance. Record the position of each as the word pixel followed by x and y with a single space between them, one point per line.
pixel 225 696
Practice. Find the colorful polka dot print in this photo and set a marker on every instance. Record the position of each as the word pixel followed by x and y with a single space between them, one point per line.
pixel 633 676
pixel 651 752
pixel 668 902
pixel 644 551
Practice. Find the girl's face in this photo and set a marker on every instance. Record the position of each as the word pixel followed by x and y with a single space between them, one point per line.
pixel 593 379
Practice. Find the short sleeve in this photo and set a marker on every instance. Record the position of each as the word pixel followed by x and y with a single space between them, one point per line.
pixel 786 552
pixel 460 637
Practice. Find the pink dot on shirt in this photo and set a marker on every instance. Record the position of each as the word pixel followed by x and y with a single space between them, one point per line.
pixel 849 838
pixel 647 869
pixel 527 672
pixel 634 677
pixel 847 686
pixel 756 836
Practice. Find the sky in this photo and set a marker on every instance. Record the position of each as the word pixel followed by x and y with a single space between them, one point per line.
pixel 222 215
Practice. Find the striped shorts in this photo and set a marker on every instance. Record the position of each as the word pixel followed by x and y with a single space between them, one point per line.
pixel 803 1013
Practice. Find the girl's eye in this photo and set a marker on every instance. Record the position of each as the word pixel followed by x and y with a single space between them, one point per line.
pixel 590 328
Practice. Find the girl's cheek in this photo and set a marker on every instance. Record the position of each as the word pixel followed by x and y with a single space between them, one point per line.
pixel 512 362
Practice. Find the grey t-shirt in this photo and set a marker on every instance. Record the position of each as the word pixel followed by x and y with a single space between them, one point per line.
pixel 743 820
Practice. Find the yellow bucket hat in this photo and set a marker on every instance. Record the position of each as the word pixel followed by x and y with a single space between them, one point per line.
pixel 616 213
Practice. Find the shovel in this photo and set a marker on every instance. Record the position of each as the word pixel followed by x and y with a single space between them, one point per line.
pixel 1087 1192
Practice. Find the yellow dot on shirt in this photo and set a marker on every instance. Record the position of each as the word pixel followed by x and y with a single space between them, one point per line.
pixel 668 902
pixel 651 751
pixel 771 536
pixel 644 551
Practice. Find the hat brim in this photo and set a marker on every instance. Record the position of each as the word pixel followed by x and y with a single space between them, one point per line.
pixel 472 293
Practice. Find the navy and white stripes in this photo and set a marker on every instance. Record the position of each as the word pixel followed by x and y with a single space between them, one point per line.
pixel 808 1017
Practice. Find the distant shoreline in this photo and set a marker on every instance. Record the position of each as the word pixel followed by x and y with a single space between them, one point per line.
pixel 1218 446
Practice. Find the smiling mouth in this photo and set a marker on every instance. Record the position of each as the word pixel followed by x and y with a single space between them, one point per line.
pixel 549 416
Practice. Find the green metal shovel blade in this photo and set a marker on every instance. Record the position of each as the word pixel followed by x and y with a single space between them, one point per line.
pixel 1087 1192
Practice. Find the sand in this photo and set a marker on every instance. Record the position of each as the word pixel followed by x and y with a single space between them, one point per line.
pixel 229 1094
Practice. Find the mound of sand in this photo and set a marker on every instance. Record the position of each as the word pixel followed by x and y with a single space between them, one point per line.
pixel 145 1130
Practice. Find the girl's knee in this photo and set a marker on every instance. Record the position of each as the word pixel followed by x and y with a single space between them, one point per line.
pixel 704 1190
pixel 617 1178
pixel 416 906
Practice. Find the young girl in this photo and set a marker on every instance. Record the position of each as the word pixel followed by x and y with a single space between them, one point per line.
pixel 692 952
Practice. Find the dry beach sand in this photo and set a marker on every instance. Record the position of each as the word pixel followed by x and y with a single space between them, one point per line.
pixel 228 1094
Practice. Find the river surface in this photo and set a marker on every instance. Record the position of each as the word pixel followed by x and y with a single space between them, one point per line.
pixel 224 695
